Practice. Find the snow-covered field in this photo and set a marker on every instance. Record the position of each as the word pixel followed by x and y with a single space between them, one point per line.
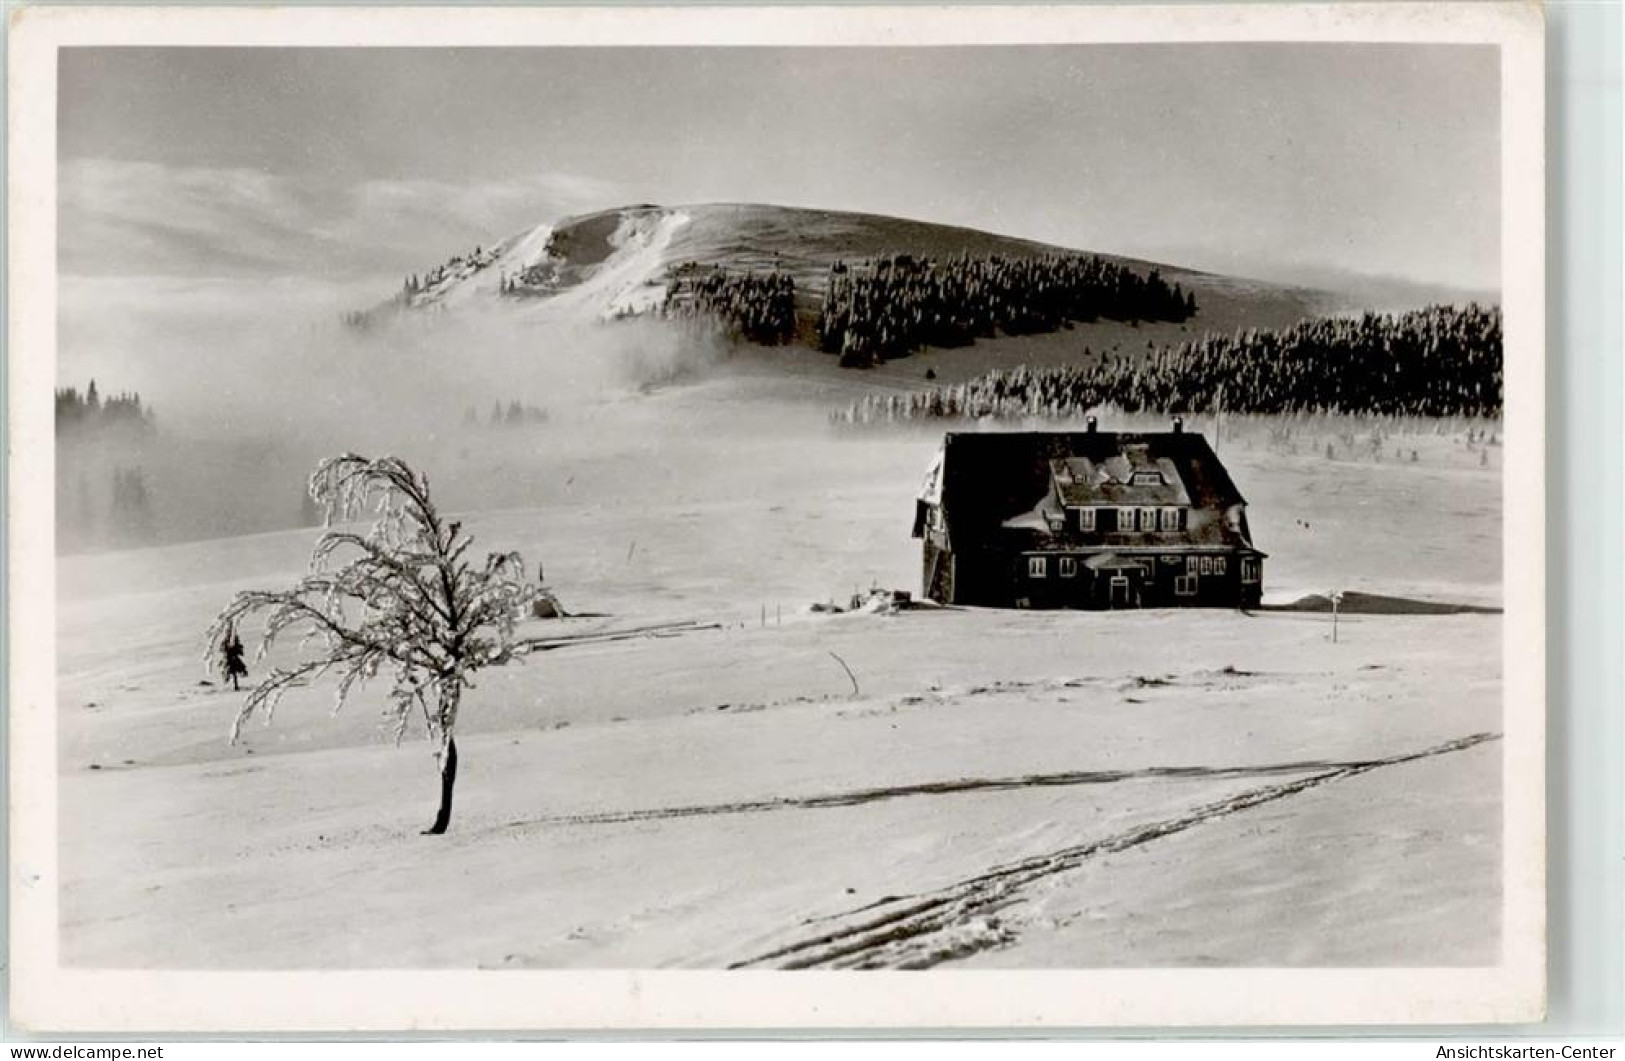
pixel 1000 788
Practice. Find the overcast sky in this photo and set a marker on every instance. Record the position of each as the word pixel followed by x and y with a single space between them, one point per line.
pixel 1281 161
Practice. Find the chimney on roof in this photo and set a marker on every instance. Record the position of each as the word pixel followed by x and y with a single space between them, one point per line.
pixel 1091 424
pixel 1179 425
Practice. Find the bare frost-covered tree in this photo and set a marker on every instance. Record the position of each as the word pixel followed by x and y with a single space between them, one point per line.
pixel 403 597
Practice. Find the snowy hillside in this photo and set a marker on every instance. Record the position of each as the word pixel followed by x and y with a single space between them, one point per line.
pixel 1038 789
pixel 618 261
pixel 603 264
pixel 782 785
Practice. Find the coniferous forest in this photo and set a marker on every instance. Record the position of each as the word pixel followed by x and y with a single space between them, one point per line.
pixel 103 492
pixel 753 309
pixel 1439 361
pixel 898 305
pixel 877 311
pixel 89 414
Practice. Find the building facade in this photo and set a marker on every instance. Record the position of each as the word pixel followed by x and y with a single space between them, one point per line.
pixel 1089 519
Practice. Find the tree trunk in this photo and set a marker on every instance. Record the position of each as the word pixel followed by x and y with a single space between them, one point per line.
pixel 446 723
pixel 448 779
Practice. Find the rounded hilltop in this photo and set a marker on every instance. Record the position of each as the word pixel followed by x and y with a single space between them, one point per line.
pixel 617 261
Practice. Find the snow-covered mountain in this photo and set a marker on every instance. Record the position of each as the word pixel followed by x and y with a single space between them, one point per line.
pixel 604 263
pixel 617 262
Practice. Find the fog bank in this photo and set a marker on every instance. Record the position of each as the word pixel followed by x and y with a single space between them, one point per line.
pixel 251 384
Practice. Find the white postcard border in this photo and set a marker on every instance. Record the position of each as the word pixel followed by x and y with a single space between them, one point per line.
pixel 45 995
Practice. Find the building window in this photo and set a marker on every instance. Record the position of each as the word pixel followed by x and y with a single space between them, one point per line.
pixel 1037 567
pixel 1218 565
pixel 1169 518
pixel 1206 566
pixel 1190 565
pixel 1185 586
pixel 1086 519
pixel 1069 567
pixel 1148 519
pixel 1125 519
pixel 1249 569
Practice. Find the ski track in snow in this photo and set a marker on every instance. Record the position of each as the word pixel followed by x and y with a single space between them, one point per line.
pixel 858 797
pixel 923 930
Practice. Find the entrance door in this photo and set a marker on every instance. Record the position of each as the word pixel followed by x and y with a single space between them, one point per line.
pixel 1119 591
pixel 939 574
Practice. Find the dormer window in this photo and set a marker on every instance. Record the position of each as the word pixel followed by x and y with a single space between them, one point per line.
pixel 1146 477
pixel 1086 519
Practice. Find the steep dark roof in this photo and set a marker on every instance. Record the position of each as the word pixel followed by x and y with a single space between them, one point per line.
pixel 989 478
pixel 1131 477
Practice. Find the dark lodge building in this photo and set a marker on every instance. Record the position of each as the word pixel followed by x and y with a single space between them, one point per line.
pixel 1085 520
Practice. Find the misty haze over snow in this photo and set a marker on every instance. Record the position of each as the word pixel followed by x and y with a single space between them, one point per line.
pixel 218 207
